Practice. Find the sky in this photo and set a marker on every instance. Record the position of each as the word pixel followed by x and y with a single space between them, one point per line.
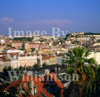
pixel 69 15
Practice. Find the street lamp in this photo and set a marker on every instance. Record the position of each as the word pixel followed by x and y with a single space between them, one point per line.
pixel 33 88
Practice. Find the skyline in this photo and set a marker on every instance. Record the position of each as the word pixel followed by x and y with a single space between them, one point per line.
pixel 73 15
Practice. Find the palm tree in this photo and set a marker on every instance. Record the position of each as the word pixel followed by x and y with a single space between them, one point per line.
pixel 79 62
pixel 92 89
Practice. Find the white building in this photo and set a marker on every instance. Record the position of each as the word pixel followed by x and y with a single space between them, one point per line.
pixel 20 61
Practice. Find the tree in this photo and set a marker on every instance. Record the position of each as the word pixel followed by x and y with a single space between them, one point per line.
pixel 23 46
pixel 79 62
pixel 33 49
pixel 36 67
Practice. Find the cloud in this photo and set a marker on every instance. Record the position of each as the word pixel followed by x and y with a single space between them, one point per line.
pixel 51 22
pixel 6 20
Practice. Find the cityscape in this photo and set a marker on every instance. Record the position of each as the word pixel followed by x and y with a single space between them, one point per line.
pixel 44 53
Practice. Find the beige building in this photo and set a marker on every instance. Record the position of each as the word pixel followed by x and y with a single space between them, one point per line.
pixel 28 46
pixel 96 56
pixel 50 60
pixel 1 66
pixel 96 44
pixel 1 48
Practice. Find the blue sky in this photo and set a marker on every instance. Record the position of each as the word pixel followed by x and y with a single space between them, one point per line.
pixel 70 15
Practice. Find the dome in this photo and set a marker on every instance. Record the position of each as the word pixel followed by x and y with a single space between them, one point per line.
pixel 2 41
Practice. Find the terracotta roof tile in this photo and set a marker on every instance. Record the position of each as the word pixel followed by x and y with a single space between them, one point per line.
pixel 38 81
